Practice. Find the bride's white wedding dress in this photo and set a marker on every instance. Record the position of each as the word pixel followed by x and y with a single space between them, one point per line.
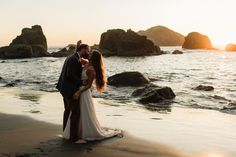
pixel 90 127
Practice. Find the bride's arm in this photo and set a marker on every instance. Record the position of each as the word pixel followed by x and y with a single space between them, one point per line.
pixel 91 76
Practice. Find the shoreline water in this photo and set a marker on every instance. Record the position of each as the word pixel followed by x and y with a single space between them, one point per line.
pixel 180 72
pixel 194 131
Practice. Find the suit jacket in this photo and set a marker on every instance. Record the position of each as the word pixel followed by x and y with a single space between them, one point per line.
pixel 70 78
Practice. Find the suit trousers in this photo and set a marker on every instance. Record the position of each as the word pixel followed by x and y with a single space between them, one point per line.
pixel 73 106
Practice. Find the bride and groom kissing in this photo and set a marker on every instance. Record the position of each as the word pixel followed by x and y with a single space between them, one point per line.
pixel 79 72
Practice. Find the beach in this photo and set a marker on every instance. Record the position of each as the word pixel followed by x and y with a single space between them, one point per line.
pixel 23 136
pixel 37 130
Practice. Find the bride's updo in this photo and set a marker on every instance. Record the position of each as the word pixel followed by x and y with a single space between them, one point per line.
pixel 97 62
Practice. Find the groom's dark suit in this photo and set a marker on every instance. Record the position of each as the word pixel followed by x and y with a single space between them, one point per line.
pixel 69 82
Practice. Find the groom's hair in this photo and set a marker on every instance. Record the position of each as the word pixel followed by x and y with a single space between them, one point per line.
pixel 82 46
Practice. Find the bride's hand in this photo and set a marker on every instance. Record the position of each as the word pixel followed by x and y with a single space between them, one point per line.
pixel 85 82
pixel 76 95
pixel 79 42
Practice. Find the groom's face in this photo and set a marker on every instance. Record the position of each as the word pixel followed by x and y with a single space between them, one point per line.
pixel 85 53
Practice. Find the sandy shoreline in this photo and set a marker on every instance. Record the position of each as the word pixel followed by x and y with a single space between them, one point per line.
pixel 191 131
pixel 23 136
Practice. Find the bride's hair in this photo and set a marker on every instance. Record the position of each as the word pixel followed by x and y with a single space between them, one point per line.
pixel 97 62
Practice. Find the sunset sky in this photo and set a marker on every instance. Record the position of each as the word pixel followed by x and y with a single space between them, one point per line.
pixel 66 21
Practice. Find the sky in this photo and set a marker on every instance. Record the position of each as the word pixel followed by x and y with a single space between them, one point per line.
pixel 66 21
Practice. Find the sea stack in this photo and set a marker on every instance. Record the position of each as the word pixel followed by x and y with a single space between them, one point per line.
pixel 31 43
pixel 117 42
pixel 230 47
pixel 195 40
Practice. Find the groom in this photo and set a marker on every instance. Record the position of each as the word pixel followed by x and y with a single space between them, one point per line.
pixel 69 82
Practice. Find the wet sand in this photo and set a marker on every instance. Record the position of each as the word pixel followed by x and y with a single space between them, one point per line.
pixel 24 136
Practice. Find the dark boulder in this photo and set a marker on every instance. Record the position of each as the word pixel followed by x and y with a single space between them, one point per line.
pixel 230 47
pixel 177 52
pixel 12 84
pixel 95 46
pixel 230 106
pixel 128 79
pixel 195 40
pixel 64 52
pixel 118 42
pixel 153 94
pixel 31 43
pixel 204 88
pixel 16 52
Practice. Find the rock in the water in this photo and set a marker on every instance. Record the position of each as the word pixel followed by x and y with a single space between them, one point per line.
pixel 128 79
pixel 230 47
pixel 163 36
pixel 31 36
pixel 12 84
pixel 117 42
pixel 154 94
pixel 31 43
pixel 64 52
pixel 95 46
pixel 204 88
pixel 1 78
pixel 177 52
pixel 195 40
pixel 230 106
pixel 16 52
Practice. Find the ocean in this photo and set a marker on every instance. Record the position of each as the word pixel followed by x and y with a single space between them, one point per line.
pixel 180 72
pixel 196 122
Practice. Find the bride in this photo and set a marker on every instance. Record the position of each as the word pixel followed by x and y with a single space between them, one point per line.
pixel 90 128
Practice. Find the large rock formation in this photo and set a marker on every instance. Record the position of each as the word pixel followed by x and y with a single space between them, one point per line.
pixel 163 36
pixel 153 94
pixel 230 47
pixel 31 36
pixel 64 52
pixel 16 51
pixel 31 43
pixel 128 79
pixel 195 40
pixel 117 42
